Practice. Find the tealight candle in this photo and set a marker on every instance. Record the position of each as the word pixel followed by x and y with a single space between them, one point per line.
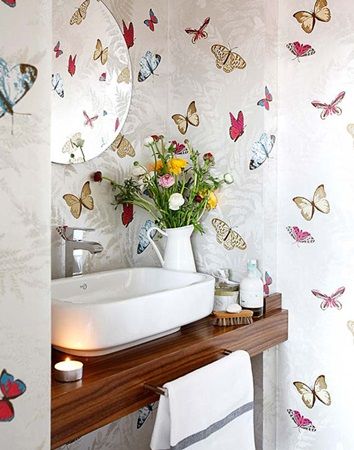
pixel 68 370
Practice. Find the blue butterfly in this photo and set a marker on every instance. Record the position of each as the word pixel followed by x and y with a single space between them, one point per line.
pixel 14 84
pixel 143 240
pixel 261 150
pixel 148 65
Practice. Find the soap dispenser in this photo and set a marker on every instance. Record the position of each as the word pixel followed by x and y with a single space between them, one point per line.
pixel 251 290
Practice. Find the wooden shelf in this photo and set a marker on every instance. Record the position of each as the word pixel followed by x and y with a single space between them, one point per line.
pixel 112 385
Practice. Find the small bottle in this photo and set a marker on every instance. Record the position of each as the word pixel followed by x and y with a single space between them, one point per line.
pixel 251 290
pixel 226 291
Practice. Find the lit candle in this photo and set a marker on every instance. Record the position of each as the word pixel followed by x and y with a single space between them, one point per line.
pixel 68 370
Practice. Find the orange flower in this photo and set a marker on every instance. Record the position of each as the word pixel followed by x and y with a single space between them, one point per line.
pixel 175 165
pixel 155 167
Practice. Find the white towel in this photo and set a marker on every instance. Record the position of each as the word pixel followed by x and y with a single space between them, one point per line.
pixel 208 409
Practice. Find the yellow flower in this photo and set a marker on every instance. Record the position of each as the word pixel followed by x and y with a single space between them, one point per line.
pixel 212 200
pixel 155 167
pixel 175 165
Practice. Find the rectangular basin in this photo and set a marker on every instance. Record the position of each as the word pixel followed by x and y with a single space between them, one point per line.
pixel 105 312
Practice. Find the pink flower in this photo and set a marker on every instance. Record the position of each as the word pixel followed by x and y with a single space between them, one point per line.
pixel 166 181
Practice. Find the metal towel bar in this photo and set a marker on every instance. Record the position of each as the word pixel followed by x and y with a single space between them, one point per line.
pixel 164 391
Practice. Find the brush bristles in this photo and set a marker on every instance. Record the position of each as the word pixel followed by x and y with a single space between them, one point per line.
pixel 227 322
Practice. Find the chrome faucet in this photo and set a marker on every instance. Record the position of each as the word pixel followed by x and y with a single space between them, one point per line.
pixel 75 247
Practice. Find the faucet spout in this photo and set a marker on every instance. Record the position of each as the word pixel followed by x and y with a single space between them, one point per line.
pixel 90 246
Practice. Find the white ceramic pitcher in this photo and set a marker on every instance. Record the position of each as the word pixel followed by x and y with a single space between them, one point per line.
pixel 178 252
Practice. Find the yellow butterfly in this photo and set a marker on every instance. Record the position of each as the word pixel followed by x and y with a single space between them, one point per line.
pixel 226 59
pixel 319 391
pixel 75 204
pixel 192 118
pixel 319 202
pixel 228 237
pixel 122 146
pixel 100 52
pixel 80 14
pixel 308 19
pixel 124 76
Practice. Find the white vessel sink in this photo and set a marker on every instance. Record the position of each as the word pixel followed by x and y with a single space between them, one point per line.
pixel 105 312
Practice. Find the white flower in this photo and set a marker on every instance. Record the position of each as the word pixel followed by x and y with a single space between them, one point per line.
pixel 175 201
pixel 148 141
pixel 138 171
pixel 228 178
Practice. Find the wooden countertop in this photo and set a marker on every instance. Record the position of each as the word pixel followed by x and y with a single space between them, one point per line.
pixel 113 385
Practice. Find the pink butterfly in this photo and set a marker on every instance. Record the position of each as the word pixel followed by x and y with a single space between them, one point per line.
pixel 303 237
pixel 116 125
pixel 330 109
pixel 300 420
pixel 237 126
pixel 265 101
pixel 89 120
pixel 179 149
pixel 268 282
pixel 57 50
pixel 152 21
pixel 300 50
pixel 72 65
pixel 10 389
pixel 200 33
pixel 330 301
pixel 11 3
pixel 103 76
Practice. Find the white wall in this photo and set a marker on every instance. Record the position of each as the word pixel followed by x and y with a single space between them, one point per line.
pixel 24 226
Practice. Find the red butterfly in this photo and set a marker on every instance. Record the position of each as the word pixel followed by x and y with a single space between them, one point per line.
pixel 330 109
pixel 72 65
pixel 300 50
pixel 89 120
pixel 57 50
pixel 237 126
pixel 10 389
pixel 265 101
pixel 128 34
pixel 179 149
pixel 103 76
pixel 11 3
pixel 200 33
pixel 153 20
pixel 268 282
pixel 127 214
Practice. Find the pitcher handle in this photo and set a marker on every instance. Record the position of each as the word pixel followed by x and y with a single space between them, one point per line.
pixel 157 251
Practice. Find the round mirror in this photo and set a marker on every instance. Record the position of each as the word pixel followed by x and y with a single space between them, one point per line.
pixel 91 80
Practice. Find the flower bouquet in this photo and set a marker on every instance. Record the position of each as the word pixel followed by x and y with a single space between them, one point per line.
pixel 176 188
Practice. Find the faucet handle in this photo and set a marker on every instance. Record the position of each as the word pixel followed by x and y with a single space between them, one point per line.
pixel 72 233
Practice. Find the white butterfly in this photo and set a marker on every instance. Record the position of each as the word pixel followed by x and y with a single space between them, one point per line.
pixel 319 202
pixel 261 150
pixel 148 65
pixel 319 392
pixel 57 83
pixel 226 236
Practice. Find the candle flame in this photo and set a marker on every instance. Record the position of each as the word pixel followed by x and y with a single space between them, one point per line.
pixel 67 358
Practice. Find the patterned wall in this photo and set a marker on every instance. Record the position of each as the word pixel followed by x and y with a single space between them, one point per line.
pixel 314 152
pixel 24 230
pixel 187 73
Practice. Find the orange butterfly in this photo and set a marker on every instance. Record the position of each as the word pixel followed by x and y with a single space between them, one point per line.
pixel 308 19
pixel 76 203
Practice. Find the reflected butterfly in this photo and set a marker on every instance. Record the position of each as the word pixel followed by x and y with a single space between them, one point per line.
pixel 350 325
pixel 122 146
pixel 143 240
pixel 14 84
pixel 191 118
pixel 100 52
pixel 308 207
pixel 319 392
pixel 228 237
pixel 124 76
pixel 10 389
pixel 226 59
pixel 76 203
pixel 301 421
pixel 80 14
pixel 261 149
pixel 72 145
pixel 57 83
pixel 199 33
pixel 308 19
pixel 148 65
pixel 330 301
pixel 89 120
pixel 330 109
